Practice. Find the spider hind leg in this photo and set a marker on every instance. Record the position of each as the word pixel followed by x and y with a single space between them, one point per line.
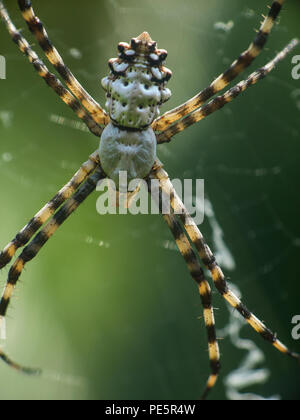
pixel 19 368
pixel 24 236
pixel 209 260
pixel 33 248
pixel 198 276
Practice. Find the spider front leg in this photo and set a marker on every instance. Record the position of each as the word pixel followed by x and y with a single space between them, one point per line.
pixel 220 101
pixel 36 245
pixel 38 30
pixel 197 274
pixel 211 264
pixel 24 236
pixel 51 80
pixel 237 67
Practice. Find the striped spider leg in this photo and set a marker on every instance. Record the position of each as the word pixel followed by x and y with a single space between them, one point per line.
pixel 38 30
pixel 90 180
pixel 197 274
pixel 220 101
pixel 49 78
pixel 211 264
pixel 237 67
pixel 24 236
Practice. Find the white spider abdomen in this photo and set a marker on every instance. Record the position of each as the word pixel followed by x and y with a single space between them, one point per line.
pixel 133 99
pixel 136 86
pixel 126 150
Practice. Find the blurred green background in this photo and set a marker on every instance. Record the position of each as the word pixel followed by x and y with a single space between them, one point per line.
pixel 108 305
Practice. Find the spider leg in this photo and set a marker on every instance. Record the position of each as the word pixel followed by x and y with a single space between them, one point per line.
pixel 210 263
pixel 220 101
pixel 197 274
pixel 16 366
pixel 35 246
pixel 38 30
pixel 24 236
pixel 237 67
pixel 49 78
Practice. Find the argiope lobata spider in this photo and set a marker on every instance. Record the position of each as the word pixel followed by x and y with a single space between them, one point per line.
pixel 136 88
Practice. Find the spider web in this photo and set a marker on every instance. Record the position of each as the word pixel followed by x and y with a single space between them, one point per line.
pixel 246 153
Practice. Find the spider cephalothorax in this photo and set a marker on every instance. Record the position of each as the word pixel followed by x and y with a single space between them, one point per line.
pixel 136 88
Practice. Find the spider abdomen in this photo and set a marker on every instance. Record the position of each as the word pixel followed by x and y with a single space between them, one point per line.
pixel 133 152
pixel 132 99
pixel 136 85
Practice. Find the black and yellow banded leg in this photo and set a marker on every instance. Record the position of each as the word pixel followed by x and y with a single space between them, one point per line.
pixel 24 236
pixel 16 366
pixel 38 30
pixel 48 77
pixel 205 294
pixel 220 101
pixel 211 264
pixel 45 234
pixel 35 246
pixel 197 274
pixel 237 67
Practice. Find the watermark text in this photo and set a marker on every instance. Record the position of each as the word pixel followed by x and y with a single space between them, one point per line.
pixel 133 197
pixel 2 67
pixel 296 329
pixel 296 69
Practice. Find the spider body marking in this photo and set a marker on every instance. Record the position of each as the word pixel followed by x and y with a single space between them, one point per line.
pixel 135 89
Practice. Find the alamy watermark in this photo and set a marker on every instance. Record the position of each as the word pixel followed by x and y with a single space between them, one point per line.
pixel 2 67
pixel 296 329
pixel 133 197
pixel 296 69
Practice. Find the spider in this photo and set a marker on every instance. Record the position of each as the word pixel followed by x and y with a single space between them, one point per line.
pixel 135 90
